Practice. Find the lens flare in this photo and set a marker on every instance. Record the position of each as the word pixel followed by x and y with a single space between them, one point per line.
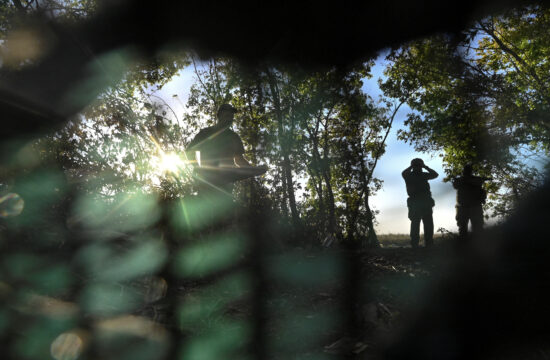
pixel 67 346
pixel 24 45
pixel 171 162
pixel 198 157
pixel 11 205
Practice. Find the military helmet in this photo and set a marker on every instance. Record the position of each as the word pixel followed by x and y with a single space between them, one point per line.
pixel 226 107
pixel 417 162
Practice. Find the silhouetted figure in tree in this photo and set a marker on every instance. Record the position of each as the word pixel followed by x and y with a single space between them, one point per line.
pixel 470 197
pixel 420 202
pixel 217 153
pixel 217 150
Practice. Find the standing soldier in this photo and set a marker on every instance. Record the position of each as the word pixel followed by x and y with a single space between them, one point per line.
pixel 218 150
pixel 420 202
pixel 217 153
pixel 470 197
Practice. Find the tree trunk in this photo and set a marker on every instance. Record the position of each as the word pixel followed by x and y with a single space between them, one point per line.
pixel 284 204
pixel 320 196
pixel 315 178
pixel 283 142
pixel 352 211
pixel 327 176
pixel 290 190
pixel 330 200
pixel 372 239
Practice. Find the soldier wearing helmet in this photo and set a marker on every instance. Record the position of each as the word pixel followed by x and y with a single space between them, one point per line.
pixel 420 202
pixel 470 197
pixel 215 150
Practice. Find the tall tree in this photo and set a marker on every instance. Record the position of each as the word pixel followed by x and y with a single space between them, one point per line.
pixel 309 126
pixel 482 98
pixel 120 140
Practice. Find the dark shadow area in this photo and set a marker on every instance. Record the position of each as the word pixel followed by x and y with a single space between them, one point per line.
pixel 205 262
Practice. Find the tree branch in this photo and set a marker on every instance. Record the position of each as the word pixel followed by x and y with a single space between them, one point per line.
pixel 200 80
pixel 491 32
pixel 378 153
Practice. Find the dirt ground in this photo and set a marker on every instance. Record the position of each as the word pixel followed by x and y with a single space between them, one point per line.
pixel 308 303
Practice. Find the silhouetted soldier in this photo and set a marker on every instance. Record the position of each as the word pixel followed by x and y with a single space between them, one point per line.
pixel 470 197
pixel 420 202
pixel 216 150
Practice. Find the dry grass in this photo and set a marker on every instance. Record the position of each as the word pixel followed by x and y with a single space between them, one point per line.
pixel 402 240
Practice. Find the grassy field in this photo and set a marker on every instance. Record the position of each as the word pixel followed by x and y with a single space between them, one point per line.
pixel 403 240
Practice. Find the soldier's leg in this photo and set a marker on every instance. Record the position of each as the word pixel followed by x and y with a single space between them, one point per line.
pixel 476 217
pixel 415 226
pixel 222 206
pixel 201 214
pixel 230 206
pixel 427 220
pixel 462 222
pixel 216 203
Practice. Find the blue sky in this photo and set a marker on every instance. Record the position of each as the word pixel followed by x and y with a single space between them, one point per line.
pixel 391 200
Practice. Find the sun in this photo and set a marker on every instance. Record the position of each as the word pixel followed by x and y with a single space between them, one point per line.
pixel 171 163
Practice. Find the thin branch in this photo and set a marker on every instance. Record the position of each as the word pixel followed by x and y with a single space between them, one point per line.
pixel 509 51
pixel 200 80
pixel 378 153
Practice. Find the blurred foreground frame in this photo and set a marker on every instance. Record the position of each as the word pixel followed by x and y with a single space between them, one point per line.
pixel 120 284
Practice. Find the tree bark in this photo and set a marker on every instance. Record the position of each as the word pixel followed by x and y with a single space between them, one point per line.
pixel 284 204
pixel 367 174
pixel 283 142
pixel 372 238
pixel 330 199
pixel 317 181
pixel 290 190
pixel 327 176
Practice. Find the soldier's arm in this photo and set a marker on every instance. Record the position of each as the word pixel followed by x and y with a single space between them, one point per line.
pixel 456 182
pixel 191 147
pixel 238 152
pixel 190 154
pixel 406 172
pixel 240 161
pixel 432 174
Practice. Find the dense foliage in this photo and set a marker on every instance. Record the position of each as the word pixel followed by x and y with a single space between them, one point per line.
pixel 106 251
pixel 317 127
pixel 317 131
pixel 482 98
